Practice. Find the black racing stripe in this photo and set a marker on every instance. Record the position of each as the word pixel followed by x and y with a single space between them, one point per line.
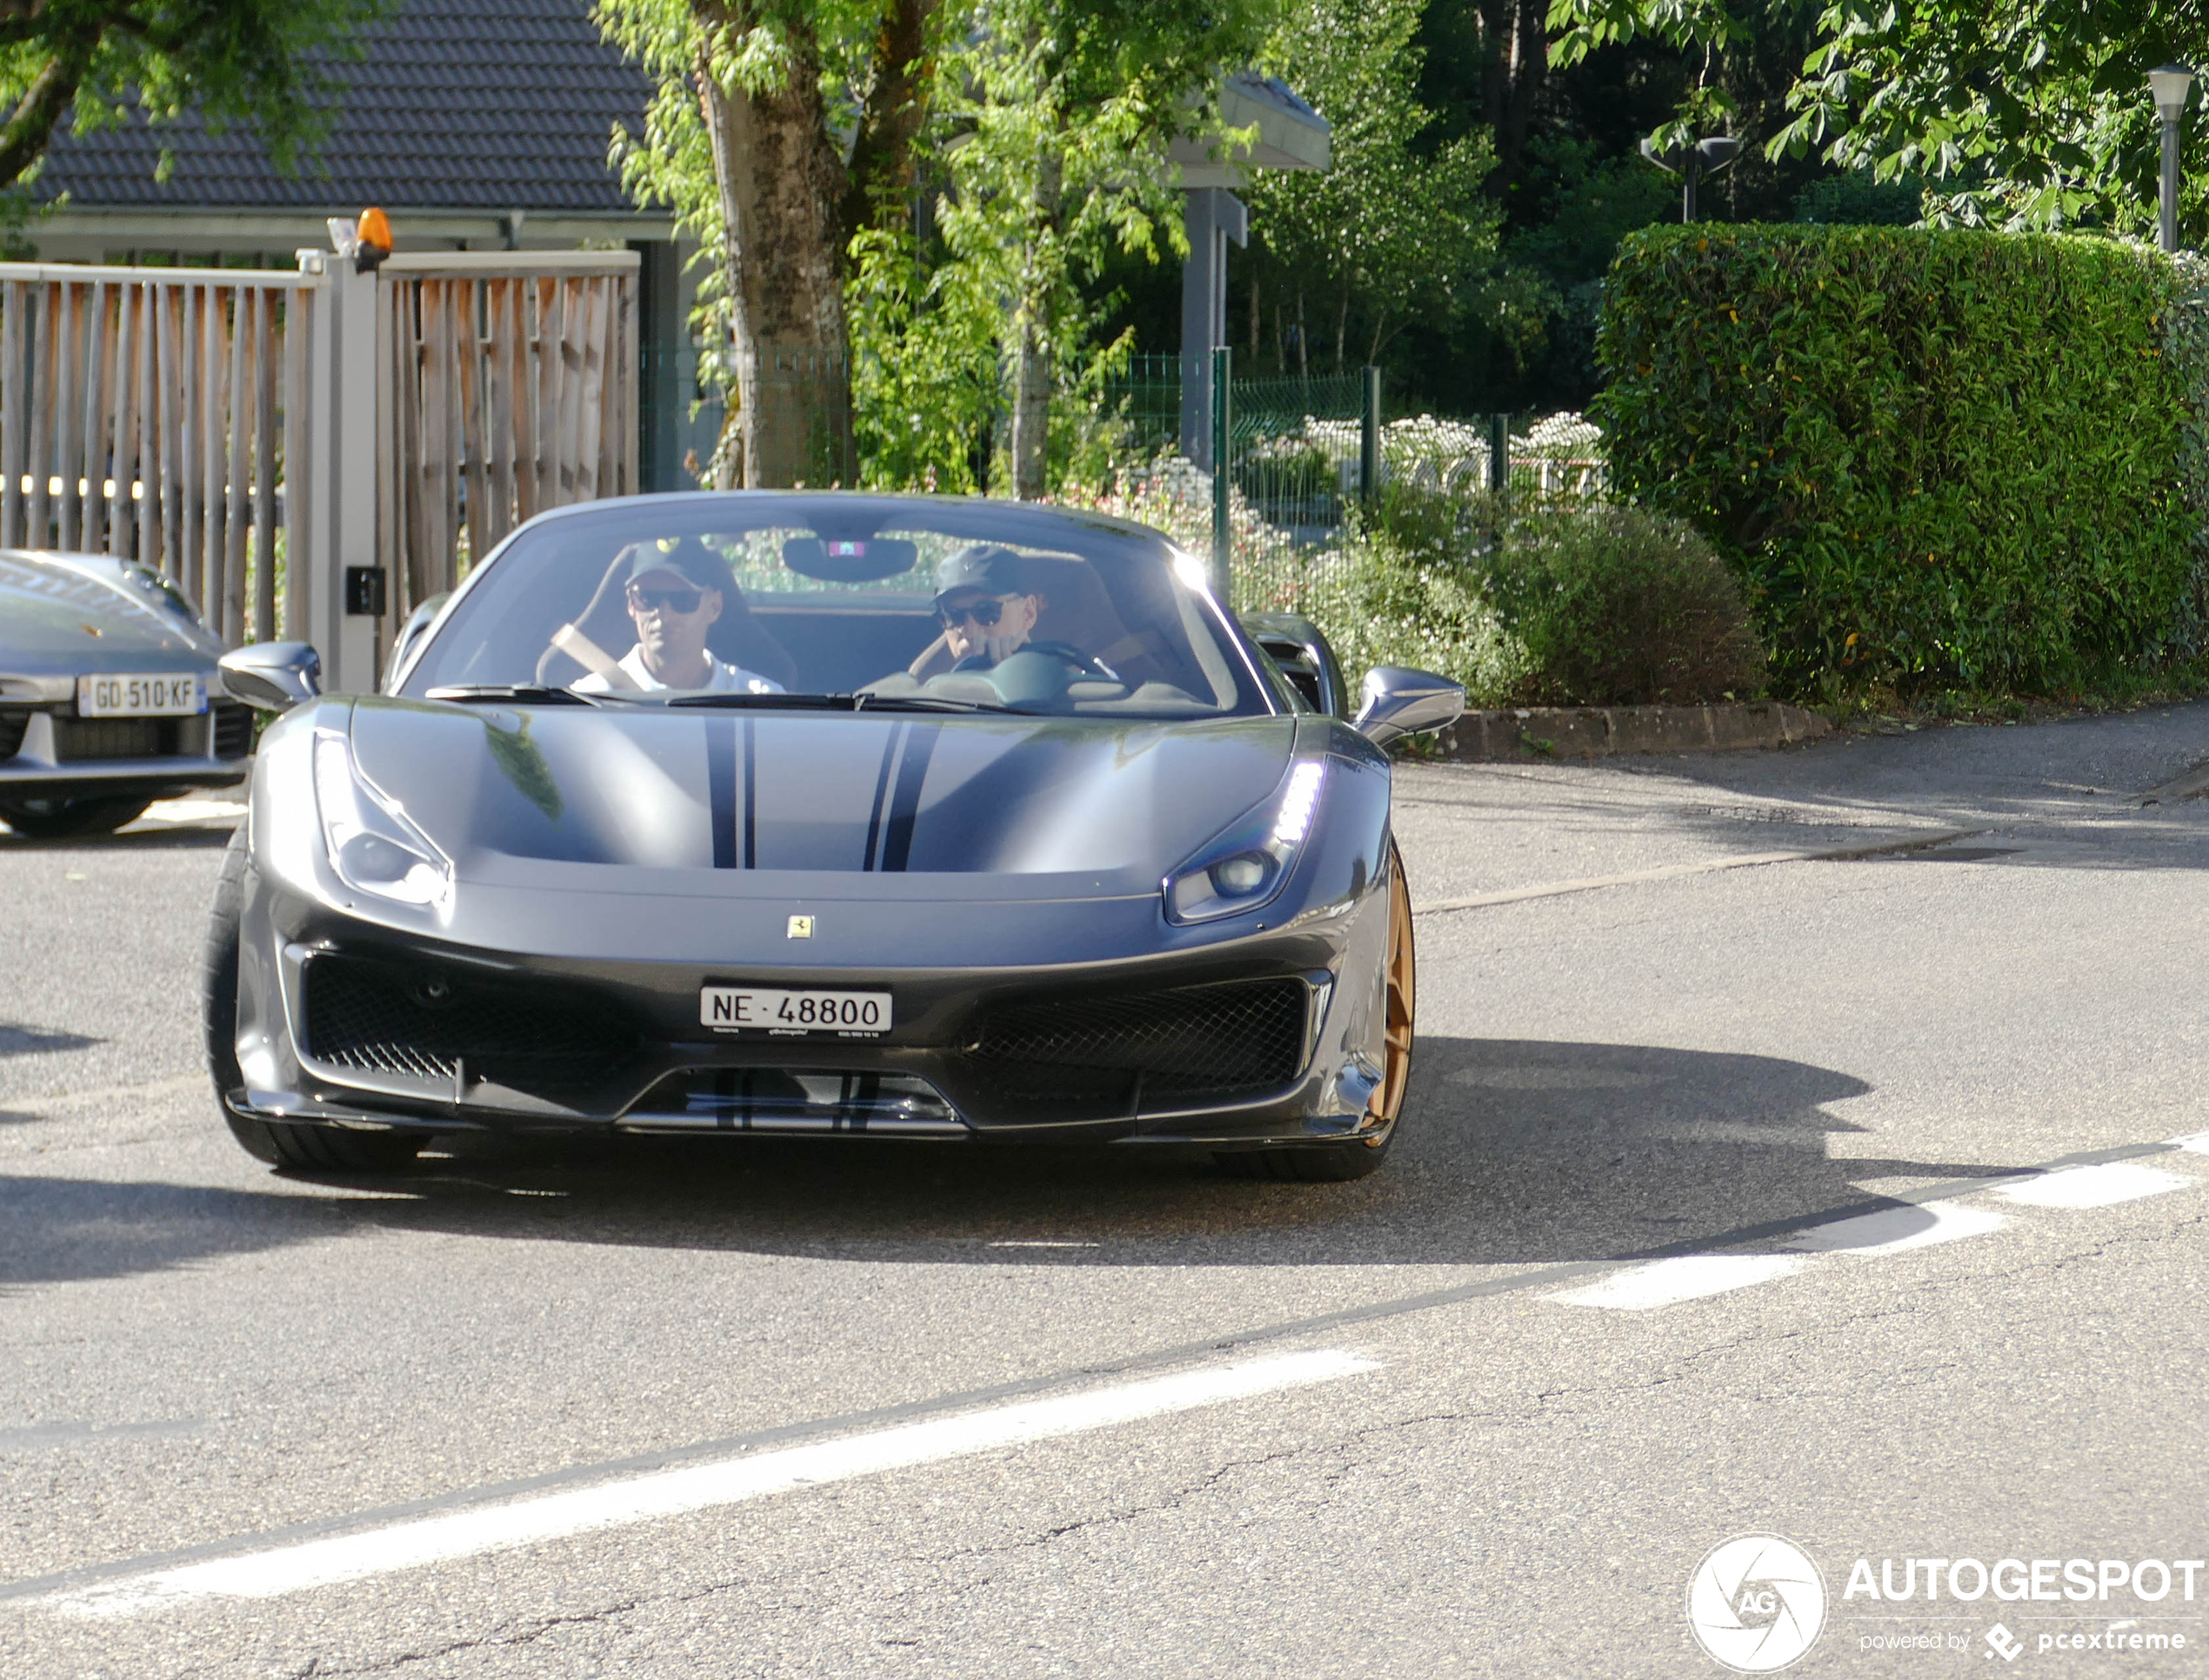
pixel 904 804
pixel 881 791
pixel 721 788
pixel 750 827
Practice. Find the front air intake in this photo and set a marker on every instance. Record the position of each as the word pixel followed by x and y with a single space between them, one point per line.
pixel 375 1017
pixel 1108 1052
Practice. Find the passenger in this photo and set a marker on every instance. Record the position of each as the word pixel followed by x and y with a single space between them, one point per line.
pixel 674 597
pixel 989 610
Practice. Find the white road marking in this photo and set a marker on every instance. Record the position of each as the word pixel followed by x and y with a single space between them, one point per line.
pixel 193 810
pixel 2098 1186
pixel 1662 1282
pixel 1894 1230
pixel 691 1488
pixel 2199 1143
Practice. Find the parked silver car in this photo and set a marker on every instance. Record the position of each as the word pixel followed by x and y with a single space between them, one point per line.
pixel 110 698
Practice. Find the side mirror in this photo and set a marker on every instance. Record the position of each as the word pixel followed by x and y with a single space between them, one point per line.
pixel 274 676
pixel 1294 644
pixel 1400 701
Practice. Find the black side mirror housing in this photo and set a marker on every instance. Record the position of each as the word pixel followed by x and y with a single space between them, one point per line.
pixel 1294 644
pixel 1399 701
pixel 417 624
pixel 274 676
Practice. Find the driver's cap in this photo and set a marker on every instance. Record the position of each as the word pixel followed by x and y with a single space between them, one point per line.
pixel 984 566
pixel 687 558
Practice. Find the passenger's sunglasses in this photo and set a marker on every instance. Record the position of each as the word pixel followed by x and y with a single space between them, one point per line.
pixel 984 613
pixel 683 600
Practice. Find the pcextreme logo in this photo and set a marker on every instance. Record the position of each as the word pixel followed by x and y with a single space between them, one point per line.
pixel 1756 1603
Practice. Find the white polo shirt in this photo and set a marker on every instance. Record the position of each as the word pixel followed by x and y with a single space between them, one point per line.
pixel 725 678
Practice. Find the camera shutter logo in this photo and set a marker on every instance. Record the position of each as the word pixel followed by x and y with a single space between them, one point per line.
pixel 1756 1603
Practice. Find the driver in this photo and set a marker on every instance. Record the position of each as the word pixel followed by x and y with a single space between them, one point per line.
pixel 989 609
pixel 674 595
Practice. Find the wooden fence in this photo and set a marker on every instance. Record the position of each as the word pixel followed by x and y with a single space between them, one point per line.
pixel 148 413
pixel 507 385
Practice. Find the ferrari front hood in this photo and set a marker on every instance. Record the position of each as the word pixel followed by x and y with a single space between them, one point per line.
pixel 893 794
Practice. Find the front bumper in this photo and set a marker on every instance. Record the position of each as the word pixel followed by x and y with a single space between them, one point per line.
pixel 49 751
pixel 1203 1053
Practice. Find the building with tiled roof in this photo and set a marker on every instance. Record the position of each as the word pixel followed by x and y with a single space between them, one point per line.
pixel 476 124
pixel 458 114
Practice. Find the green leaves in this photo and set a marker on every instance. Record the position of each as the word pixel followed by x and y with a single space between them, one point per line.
pixel 263 62
pixel 1955 456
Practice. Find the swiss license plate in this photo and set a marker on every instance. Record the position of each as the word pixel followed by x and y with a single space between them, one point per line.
pixel 850 1014
pixel 164 694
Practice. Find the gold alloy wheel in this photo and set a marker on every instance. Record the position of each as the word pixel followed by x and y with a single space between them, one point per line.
pixel 1387 1100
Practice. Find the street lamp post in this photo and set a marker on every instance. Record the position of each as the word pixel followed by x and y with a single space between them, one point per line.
pixel 1691 162
pixel 2169 84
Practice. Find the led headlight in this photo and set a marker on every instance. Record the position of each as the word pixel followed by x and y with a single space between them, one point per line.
pixel 1245 866
pixel 373 845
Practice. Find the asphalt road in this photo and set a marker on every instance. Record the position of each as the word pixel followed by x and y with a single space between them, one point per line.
pixel 1833 1198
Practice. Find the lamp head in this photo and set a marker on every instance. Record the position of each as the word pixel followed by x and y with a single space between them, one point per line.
pixel 2170 83
pixel 1717 152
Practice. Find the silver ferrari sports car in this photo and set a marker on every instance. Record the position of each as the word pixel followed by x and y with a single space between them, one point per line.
pixel 109 695
pixel 776 812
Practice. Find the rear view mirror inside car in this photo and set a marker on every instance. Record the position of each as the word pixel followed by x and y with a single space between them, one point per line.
pixel 849 560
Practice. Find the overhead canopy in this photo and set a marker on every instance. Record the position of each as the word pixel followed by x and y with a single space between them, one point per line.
pixel 1291 134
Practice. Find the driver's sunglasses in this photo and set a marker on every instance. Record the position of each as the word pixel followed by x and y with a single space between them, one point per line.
pixel 984 613
pixel 683 600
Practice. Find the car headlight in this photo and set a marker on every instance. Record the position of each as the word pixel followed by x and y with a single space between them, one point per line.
pixel 373 845
pixel 1245 866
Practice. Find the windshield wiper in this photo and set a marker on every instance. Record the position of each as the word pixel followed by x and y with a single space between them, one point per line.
pixel 535 692
pixel 768 701
pixel 925 702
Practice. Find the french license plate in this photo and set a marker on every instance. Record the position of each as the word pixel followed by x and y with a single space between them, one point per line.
pixel 850 1014
pixel 164 694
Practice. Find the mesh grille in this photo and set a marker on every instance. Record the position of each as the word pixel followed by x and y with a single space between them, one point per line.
pixel 79 739
pixel 233 730
pixel 13 722
pixel 380 1017
pixel 1192 1042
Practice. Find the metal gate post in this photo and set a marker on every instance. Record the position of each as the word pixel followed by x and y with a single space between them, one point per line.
pixel 1223 439
pixel 1369 470
pixel 1500 454
pixel 340 431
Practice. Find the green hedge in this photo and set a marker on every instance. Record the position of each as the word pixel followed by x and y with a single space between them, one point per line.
pixel 1952 456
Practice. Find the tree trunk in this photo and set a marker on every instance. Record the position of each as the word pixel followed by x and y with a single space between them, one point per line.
pixel 882 177
pixel 782 187
pixel 1517 38
pixel 1032 335
pixel 1342 331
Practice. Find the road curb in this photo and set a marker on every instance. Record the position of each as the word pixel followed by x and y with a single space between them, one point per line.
pixel 1533 732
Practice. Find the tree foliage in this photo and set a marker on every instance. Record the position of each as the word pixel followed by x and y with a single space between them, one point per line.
pixel 2023 113
pixel 1399 227
pixel 1001 146
pixel 267 63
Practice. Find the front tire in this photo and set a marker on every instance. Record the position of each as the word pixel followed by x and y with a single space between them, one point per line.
pixel 1356 1157
pixel 306 1149
pixel 64 817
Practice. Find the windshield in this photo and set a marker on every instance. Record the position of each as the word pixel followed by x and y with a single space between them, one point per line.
pixel 762 598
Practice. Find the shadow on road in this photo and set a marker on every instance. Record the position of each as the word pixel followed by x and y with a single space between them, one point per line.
pixel 15 1039
pixel 1511 1152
